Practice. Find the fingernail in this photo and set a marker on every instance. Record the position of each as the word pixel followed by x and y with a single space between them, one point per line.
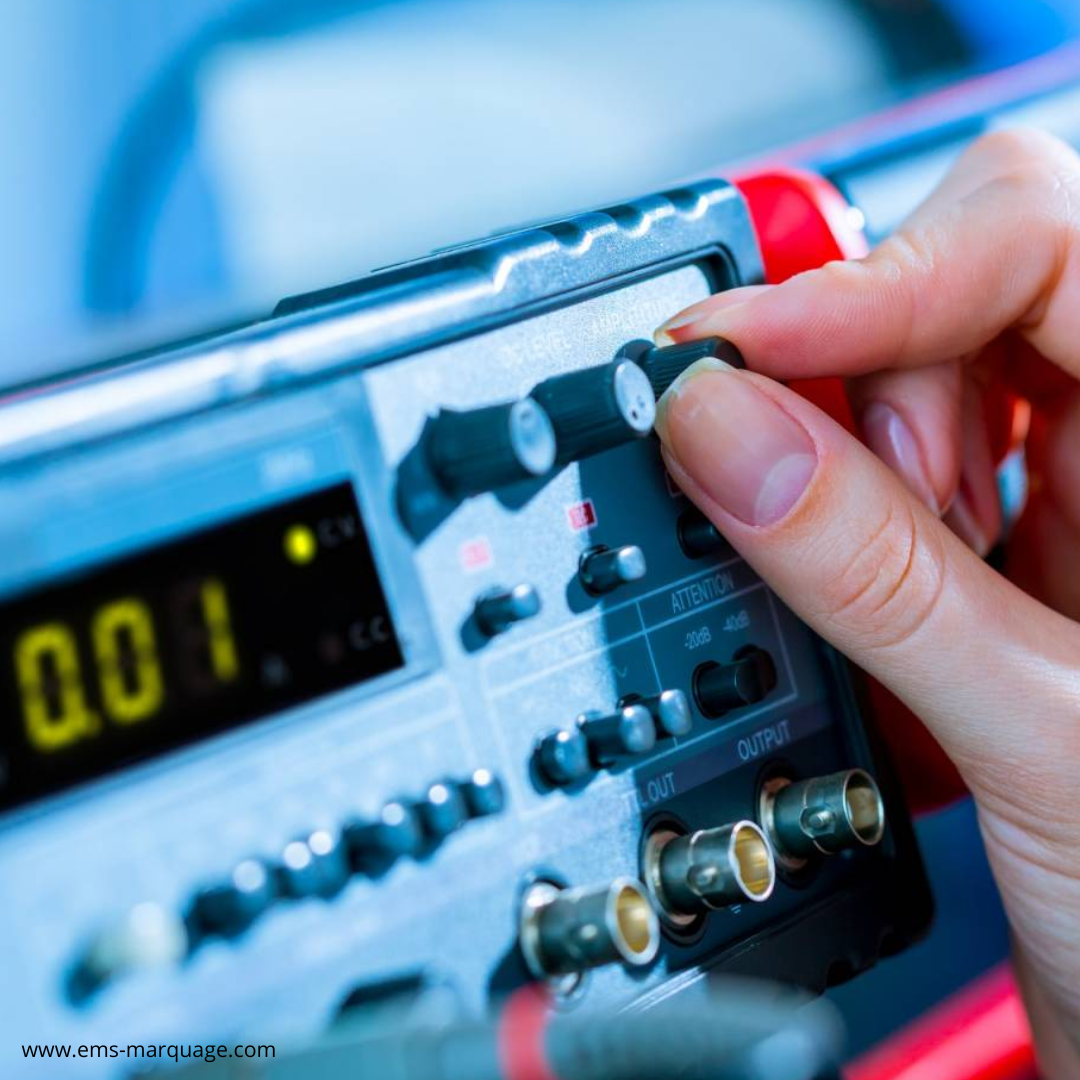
pixel 706 310
pixel 889 436
pixel 737 444
pixel 962 520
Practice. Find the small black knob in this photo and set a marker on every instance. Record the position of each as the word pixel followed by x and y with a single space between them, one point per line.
pixel 484 794
pixel 749 677
pixel 699 537
pixel 670 710
pixel 562 757
pixel 485 449
pixel 597 408
pixel 603 569
pixel 442 811
pixel 498 609
pixel 231 907
pixel 373 845
pixel 627 732
pixel 663 364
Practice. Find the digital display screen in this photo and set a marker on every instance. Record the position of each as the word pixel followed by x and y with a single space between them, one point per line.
pixel 187 639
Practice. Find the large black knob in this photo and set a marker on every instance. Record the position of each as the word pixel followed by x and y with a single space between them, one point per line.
pixel 749 677
pixel 597 408
pixel 663 364
pixel 485 449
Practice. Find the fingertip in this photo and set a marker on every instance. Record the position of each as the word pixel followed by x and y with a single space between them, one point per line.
pixel 701 319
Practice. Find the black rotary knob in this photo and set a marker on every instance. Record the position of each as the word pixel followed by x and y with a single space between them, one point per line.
pixel 232 906
pixel 485 449
pixel 663 364
pixel 747 679
pixel 597 408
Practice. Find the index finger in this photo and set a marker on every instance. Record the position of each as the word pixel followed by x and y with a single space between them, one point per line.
pixel 996 247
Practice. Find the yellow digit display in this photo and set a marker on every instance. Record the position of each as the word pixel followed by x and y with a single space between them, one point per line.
pixel 215 606
pixel 55 710
pixel 128 667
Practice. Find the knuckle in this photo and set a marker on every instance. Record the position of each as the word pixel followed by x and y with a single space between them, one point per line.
pixel 889 590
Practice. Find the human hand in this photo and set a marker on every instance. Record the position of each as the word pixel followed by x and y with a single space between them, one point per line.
pixel 983 282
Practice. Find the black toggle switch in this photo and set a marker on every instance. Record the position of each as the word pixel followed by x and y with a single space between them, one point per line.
pixel 442 811
pixel 498 609
pixel 627 732
pixel 597 408
pixel 231 907
pixel 670 710
pixel 373 845
pixel 663 364
pixel 699 537
pixel 562 757
pixel 484 794
pixel 747 679
pixel 485 449
pixel 313 866
pixel 603 569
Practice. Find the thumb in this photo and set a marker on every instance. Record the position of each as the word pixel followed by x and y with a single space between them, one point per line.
pixel 992 672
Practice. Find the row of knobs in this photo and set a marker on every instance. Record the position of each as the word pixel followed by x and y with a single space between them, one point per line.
pixel 316 865
pixel 566 418
pixel 600 740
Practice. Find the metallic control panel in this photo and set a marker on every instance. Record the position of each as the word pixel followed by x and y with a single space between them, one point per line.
pixel 373 643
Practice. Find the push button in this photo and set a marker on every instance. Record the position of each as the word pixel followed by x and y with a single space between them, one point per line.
pixel 746 680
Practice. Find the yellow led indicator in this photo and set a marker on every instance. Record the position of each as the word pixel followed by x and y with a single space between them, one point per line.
pixel 300 545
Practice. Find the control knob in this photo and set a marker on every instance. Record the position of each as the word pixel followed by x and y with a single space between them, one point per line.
pixel 597 408
pixel 663 364
pixel 484 449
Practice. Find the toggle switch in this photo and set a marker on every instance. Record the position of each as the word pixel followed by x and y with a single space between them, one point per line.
pixel 699 537
pixel 498 609
pixel 597 408
pixel 663 364
pixel 562 757
pixel 747 679
pixel 670 710
pixel 231 907
pixel 626 733
pixel 374 845
pixel 603 569
pixel 485 449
